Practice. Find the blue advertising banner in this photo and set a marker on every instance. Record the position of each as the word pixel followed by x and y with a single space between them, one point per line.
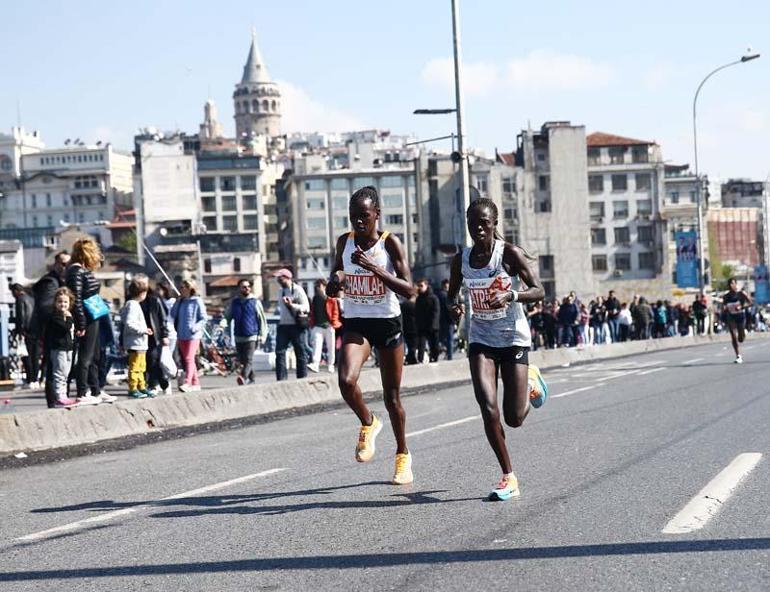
pixel 761 284
pixel 686 259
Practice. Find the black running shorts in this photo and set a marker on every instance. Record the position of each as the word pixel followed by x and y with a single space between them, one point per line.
pixel 513 354
pixel 380 333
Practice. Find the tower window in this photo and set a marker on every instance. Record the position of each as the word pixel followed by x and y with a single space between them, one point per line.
pixel 273 105
pixel 255 106
pixel 265 105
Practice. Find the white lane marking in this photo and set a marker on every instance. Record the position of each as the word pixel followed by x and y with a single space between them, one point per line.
pixel 107 516
pixel 443 425
pixel 692 361
pixel 653 371
pixel 705 505
pixel 574 391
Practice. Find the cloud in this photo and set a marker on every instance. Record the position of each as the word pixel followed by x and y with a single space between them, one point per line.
pixel 479 78
pixel 543 70
pixel 302 113
pixel 540 70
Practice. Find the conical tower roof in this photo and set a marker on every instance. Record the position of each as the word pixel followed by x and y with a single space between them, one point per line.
pixel 255 70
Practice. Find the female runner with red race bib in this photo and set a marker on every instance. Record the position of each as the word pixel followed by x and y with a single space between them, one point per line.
pixel 372 268
pixel 492 272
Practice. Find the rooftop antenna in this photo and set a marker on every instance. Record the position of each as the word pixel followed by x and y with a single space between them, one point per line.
pixel 18 111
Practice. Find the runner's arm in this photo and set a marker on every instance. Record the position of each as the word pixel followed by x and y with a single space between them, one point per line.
pixel 401 283
pixel 337 277
pixel 518 263
pixel 454 306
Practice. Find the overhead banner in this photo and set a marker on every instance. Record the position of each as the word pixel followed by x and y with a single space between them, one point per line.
pixel 686 258
pixel 761 284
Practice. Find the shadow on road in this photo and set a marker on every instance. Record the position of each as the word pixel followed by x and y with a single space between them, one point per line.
pixel 314 562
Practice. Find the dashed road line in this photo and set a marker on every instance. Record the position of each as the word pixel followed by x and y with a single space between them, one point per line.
pixel 709 500
pixel 692 361
pixel 443 425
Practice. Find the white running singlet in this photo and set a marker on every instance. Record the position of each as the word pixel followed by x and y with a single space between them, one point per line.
pixel 366 295
pixel 494 327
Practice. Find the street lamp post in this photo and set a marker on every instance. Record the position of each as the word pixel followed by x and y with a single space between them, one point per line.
pixel 699 201
pixel 464 173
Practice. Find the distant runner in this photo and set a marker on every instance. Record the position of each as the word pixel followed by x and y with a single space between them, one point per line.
pixel 493 270
pixel 736 302
pixel 372 267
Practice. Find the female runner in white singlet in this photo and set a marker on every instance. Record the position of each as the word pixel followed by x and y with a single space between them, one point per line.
pixel 492 271
pixel 372 267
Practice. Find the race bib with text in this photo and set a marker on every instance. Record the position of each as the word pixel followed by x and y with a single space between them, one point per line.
pixel 364 288
pixel 481 291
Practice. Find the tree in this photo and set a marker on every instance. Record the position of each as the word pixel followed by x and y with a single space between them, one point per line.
pixel 128 242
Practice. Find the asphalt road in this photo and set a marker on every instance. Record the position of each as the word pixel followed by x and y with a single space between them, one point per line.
pixel 614 457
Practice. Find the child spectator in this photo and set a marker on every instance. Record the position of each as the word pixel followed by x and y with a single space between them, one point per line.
pixel 59 344
pixel 135 342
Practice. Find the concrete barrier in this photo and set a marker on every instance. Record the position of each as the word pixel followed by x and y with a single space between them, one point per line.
pixel 59 428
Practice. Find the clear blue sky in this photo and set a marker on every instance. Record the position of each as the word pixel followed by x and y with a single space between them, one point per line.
pixel 98 70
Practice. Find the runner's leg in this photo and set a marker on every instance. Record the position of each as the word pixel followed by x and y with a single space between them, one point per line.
pixel 391 366
pixel 731 326
pixel 355 351
pixel 515 393
pixel 484 375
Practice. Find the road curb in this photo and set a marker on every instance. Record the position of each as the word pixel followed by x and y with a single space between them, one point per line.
pixel 60 428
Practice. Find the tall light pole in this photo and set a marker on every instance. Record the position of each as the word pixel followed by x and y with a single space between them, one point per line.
pixel 699 201
pixel 464 173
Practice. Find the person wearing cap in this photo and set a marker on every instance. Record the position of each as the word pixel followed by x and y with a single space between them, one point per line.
pixel 294 309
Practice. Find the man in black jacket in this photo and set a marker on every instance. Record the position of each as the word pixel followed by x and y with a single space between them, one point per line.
pixel 155 316
pixel 428 320
pixel 25 306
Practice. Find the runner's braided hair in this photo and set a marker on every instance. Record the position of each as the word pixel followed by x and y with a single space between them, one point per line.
pixel 367 192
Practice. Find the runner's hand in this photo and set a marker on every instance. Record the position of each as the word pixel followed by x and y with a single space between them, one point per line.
pixel 333 287
pixel 362 259
pixel 456 311
pixel 500 299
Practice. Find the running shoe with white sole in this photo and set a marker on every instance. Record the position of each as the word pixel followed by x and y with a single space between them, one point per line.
pixel 106 397
pixel 88 400
pixel 403 473
pixel 738 360
pixel 366 435
pixel 137 394
pixel 538 389
pixel 66 403
pixel 507 488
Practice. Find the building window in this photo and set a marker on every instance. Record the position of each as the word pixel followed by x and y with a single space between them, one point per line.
pixel 249 202
pixel 316 242
pixel 316 223
pixel 509 185
pixel 230 223
pixel 595 183
pixel 341 184
pixel 34 221
pixel 508 214
pixel 545 265
pixel 646 260
pixel 643 181
pixel 248 182
pixel 644 207
pixel 210 222
pixel 594 156
pixel 392 201
pixel 48 200
pixel 542 183
pixel 619 183
pixel 207 184
pixel 693 197
pixel 541 156
pixel 207 265
pixel 316 203
pixel 598 236
pixel 340 222
pixel 394 219
pixel 599 262
pixel 640 154
pixel 34 200
pixel 644 233
pixel 227 183
pixel 209 203
pixel 597 211
pixel 623 261
pixel 622 235
pixel 674 197
pixel 315 185
pixel 617 154
pixel 250 222
pixel 620 210
pixel 544 206
pixel 482 183
pixel 49 220
pixel 359 182
pixel 236 264
pixel 228 203
pixel 340 203
pixel 391 181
